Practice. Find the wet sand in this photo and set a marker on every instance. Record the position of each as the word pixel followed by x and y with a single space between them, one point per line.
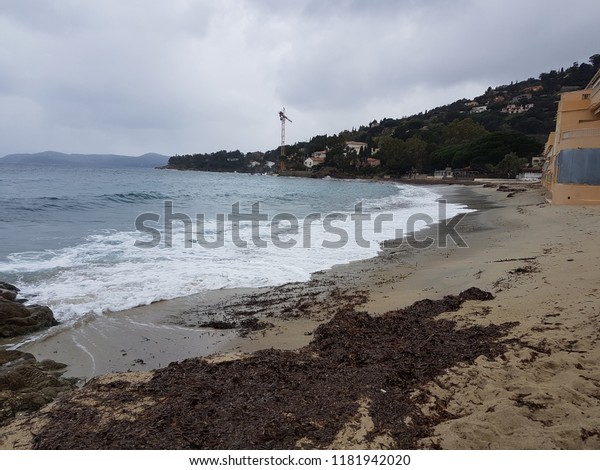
pixel 541 392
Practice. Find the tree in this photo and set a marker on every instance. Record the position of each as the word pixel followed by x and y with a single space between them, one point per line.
pixel 415 152
pixel 336 152
pixel 392 155
pixel 511 165
pixel 465 130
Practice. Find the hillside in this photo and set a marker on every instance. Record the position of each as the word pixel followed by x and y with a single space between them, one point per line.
pixel 148 160
pixel 476 134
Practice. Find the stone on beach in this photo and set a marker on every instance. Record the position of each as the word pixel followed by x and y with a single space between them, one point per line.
pixel 17 319
pixel 26 384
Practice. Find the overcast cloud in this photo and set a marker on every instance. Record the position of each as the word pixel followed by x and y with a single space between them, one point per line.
pixel 185 76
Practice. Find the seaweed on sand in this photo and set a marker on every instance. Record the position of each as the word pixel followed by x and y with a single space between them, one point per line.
pixel 284 399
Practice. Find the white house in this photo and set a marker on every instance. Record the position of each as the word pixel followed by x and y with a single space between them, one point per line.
pixel 447 173
pixel 516 109
pixel 356 146
pixel 313 161
pixel 478 109
pixel 530 175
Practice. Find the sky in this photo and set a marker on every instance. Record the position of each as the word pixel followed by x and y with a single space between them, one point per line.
pixel 194 76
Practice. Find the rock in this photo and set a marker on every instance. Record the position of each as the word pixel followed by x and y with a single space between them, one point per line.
pixel 50 365
pixel 7 286
pixel 17 319
pixel 10 309
pixel 14 356
pixel 8 294
pixel 27 385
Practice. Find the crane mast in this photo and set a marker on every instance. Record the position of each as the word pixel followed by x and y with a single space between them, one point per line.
pixel 282 118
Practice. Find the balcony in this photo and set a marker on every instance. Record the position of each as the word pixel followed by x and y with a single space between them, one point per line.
pixel 581 133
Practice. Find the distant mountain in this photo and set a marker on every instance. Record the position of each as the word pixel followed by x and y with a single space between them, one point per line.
pixel 148 160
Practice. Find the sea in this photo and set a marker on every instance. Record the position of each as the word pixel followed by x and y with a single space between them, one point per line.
pixel 90 241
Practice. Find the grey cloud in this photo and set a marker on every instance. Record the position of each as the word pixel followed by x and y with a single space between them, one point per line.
pixel 183 76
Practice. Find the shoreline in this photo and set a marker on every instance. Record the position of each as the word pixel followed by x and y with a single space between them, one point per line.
pixel 538 388
pixel 149 337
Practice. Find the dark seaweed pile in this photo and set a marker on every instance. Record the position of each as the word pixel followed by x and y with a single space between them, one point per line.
pixel 273 398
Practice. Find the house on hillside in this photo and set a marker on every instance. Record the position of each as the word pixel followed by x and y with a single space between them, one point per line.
pixel 356 146
pixel 313 161
pixel 478 109
pixel 521 98
pixel 516 108
pixel 533 89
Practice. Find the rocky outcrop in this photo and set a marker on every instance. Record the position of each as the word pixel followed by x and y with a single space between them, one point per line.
pixel 26 384
pixel 8 291
pixel 17 319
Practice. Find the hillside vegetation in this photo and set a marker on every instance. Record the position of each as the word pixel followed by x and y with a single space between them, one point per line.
pixel 490 134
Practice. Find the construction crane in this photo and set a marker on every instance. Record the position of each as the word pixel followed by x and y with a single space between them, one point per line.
pixel 282 118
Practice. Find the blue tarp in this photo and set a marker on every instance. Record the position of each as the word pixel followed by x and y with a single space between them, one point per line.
pixel 579 166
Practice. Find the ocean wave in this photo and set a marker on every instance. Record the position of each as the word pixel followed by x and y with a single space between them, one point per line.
pixel 80 202
pixel 134 196
pixel 104 270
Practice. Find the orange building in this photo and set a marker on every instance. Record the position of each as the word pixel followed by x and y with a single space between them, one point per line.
pixel 572 167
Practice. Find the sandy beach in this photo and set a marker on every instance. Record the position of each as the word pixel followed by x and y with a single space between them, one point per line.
pixel 522 372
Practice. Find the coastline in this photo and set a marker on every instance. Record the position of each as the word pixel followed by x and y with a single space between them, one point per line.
pixel 539 261
pixel 149 337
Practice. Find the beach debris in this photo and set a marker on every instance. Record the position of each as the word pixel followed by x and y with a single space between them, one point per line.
pixel 530 258
pixel 274 399
pixel 527 269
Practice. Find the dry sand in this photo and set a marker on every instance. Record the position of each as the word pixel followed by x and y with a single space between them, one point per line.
pixel 540 261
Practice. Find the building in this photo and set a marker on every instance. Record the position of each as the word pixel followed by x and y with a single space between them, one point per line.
pixel 317 158
pixel 478 109
pixel 356 146
pixel 533 89
pixel 516 109
pixel 373 162
pixel 313 161
pixel 447 173
pixel 572 168
pixel 530 175
pixel 538 162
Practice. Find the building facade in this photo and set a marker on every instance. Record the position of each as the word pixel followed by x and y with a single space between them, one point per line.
pixel 572 167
